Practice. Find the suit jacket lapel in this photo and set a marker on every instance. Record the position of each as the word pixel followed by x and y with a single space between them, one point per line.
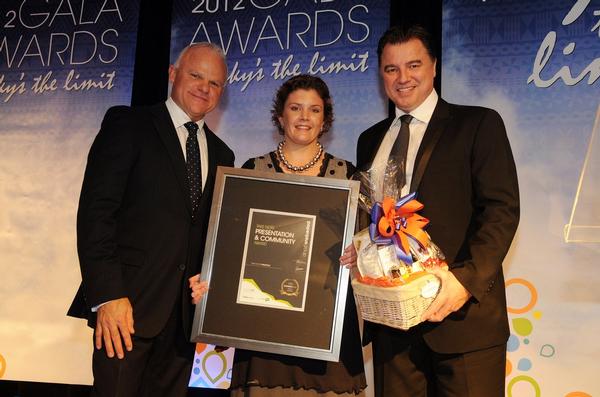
pixel 168 134
pixel 435 128
pixel 212 146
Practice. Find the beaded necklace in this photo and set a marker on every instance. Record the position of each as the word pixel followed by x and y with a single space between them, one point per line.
pixel 300 168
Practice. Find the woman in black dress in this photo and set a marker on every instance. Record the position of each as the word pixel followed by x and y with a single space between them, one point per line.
pixel 302 112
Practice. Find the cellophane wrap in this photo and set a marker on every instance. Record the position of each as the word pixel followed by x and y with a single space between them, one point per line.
pixel 394 286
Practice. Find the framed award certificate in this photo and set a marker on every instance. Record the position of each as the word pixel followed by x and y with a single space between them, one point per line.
pixel 272 263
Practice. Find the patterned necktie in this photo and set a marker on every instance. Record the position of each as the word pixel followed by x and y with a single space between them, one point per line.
pixel 194 173
pixel 399 150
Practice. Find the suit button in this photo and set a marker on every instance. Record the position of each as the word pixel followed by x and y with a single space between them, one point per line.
pixel 182 267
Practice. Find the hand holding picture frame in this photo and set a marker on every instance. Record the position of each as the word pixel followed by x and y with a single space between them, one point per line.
pixel 272 263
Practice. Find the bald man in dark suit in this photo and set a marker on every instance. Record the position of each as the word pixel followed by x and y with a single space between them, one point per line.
pixel 141 227
pixel 460 162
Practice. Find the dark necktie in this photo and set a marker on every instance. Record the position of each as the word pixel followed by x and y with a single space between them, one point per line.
pixel 400 150
pixel 194 173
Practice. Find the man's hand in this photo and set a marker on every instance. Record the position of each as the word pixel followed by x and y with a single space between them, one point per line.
pixel 451 297
pixel 115 323
pixel 198 287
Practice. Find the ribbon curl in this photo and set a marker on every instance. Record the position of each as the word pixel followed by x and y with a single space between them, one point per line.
pixel 396 222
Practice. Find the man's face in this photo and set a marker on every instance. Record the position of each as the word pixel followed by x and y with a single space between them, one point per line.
pixel 197 83
pixel 407 71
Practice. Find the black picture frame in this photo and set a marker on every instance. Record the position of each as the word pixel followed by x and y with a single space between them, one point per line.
pixel 315 331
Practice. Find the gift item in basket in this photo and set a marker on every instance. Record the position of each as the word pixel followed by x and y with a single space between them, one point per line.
pixel 368 261
pixel 394 253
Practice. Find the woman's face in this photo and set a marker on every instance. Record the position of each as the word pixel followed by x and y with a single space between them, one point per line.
pixel 302 117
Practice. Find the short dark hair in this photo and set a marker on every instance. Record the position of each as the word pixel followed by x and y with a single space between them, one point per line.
pixel 302 82
pixel 401 34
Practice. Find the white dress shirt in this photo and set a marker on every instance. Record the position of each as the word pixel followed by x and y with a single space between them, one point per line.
pixel 179 118
pixel 421 117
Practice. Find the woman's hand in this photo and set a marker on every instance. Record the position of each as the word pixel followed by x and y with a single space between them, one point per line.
pixel 199 288
pixel 348 258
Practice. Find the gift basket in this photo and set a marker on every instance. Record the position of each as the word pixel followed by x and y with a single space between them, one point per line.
pixel 394 287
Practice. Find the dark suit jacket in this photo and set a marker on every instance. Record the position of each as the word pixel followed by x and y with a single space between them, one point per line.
pixel 135 234
pixel 465 176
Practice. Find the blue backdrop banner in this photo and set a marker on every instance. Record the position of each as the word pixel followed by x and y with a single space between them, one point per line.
pixel 267 42
pixel 62 64
pixel 538 63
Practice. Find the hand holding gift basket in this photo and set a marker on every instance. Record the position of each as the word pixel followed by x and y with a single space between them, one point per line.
pixel 394 254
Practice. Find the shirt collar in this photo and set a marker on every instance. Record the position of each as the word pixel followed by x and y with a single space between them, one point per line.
pixel 178 116
pixel 424 111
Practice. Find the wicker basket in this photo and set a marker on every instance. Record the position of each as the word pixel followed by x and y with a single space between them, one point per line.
pixel 397 307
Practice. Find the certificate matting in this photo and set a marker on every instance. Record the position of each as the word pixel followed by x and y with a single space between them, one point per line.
pixel 314 332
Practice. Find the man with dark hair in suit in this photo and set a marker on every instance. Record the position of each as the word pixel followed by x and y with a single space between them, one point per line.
pixel 459 160
pixel 141 227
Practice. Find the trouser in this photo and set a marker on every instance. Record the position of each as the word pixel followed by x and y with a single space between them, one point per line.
pixel 157 366
pixel 408 367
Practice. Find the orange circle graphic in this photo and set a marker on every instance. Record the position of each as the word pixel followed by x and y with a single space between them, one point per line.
pixel 532 293
pixel 2 365
pixel 578 394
